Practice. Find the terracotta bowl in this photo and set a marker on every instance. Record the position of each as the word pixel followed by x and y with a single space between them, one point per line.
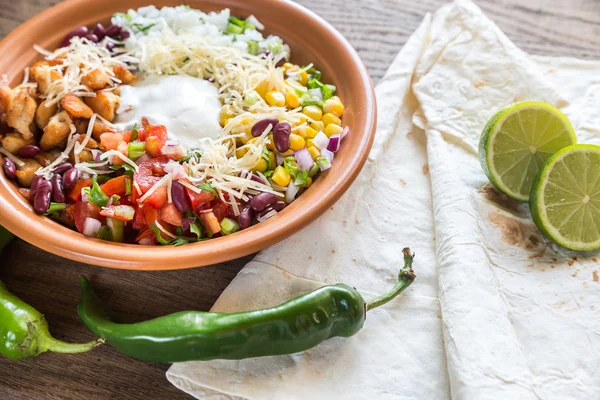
pixel 311 39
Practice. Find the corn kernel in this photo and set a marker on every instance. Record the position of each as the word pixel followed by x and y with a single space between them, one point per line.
pixel 241 152
pixel 225 115
pixel 333 129
pixel 275 99
pixel 302 120
pixel 287 66
pixel 308 181
pixel 317 125
pixel 271 144
pixel 247 136
pixel 272 160
pixel 292 99
pixel 329 118
pixel 334 106
pixel 262 165
pixel 262 88
pixel 281 176
pixel 296 142
pixel 313 112
pixel 310 132
pixel 288 153
pixel 314 152
pixel 303 78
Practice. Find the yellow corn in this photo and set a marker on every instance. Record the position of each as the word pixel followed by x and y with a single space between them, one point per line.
pixel 308 181
pixel 271 144
pixel 275 99
pixel 318 125
pixel 292 99
pixel 313 112
pixel 225 115
pixel 303 78
pixel 281 176
pixel 262 88
pixel 287 66
pixel 262 165
pixel 333 129
pixel 247 136
pixel 314 152
pixel 301 120
pixel 241 152
pixel 334 106
pixel 329 118
pixel 288 153
pixel 272 160
pixel 296 142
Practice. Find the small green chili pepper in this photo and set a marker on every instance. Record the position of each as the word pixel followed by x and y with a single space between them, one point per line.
pixel 298 325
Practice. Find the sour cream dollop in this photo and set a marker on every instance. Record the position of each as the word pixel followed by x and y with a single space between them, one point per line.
pixel 189 107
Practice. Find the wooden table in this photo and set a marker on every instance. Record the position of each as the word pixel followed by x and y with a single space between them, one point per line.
pixel 377 29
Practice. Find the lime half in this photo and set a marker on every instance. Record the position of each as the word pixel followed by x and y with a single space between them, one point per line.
pixel 517 141
pixel 565 198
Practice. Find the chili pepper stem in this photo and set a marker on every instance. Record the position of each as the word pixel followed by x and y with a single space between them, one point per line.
pixel 58 346
pixel 406 276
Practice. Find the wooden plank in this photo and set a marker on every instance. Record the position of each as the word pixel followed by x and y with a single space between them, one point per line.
pixel 377 29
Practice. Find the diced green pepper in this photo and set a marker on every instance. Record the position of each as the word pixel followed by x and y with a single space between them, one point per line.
pixel 275 47
pixel 136 149
pixel 97 196
pixel 234 29
pixel 229 226
pixel 117 229
pixel 253 47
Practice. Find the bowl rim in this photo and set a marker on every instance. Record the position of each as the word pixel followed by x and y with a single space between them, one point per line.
pixel 218 250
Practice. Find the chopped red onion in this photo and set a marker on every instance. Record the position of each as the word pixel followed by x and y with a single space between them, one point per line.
pixel 279 158
pixel 292 191
pixel 173 148
pixel 146 241
pixel 321 140
pixel 186 222
pixel 328 155
pixel 143 158
pixel 171 143
pixel 316 93
pixel 175 169
pixel 84 197
pixel 304 159
pixel 334 143
pixel 96 153
pixel 91 226
pixel 344 132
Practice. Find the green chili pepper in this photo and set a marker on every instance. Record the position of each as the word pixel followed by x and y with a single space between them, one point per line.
pixel 96 195
pixel 298 325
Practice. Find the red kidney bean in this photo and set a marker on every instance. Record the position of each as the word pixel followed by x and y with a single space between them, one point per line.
pixel 35 182
pixel 281 136
pixel 41 199
pixel 110 46
pixel 79 32
pixel 58 192
pixel 179 196
pixel 62 168
pixel 92 38
pixel 280 205
pixel 124 34
pixel 245 217
pixel 10 168
pixel 259 127
pixel 112 30
pixel 29 151
pixel 70 177
pixel 99 31
pixel 262 200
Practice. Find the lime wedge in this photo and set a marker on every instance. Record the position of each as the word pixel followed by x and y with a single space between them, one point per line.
pixel 565 198
pixel 517 141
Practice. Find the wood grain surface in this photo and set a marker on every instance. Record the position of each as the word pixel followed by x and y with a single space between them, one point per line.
pixel 377 29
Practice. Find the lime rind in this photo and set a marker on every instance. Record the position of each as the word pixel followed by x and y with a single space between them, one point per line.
pixel 530 164
pixel 582 217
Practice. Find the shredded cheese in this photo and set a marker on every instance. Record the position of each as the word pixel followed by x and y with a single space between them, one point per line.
pixel 164 231
pixel 109 155
pixel 17 162
pixel 162 182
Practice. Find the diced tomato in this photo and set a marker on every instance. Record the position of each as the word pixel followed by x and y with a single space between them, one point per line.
pixel 110 140
pixel 75 191
pixel 123 213
pixel 142 134
pixel 139 219
pixel 156 137
pixel 220 209
pixel 150 214
pixel 122 148
pixel 148 174
pixel 201 200
pixel 210 222
pixel 158 198
pixel 127 136
pixel 83 211
pixel 171 215
pixel 116 186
